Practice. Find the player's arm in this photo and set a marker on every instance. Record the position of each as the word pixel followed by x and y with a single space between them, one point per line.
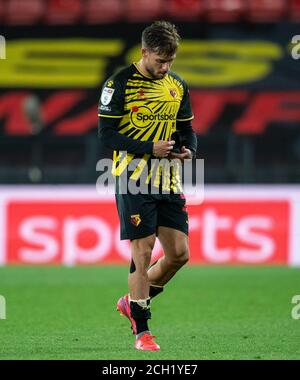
pixel 187 141
pixel 111 138
pixel 185 134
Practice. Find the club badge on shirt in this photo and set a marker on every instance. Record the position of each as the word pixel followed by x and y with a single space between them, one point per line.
pixel 106 95
pixel 135 219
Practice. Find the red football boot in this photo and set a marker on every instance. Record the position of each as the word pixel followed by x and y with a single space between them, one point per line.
pixel 146 343
pixel 124 308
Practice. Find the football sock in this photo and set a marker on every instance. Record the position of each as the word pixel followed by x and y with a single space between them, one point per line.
pixel 140 311
pixel 155 290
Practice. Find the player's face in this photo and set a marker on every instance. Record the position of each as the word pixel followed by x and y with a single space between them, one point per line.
pixel 157 65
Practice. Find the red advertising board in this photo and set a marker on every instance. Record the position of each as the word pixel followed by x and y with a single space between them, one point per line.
pixel 242 231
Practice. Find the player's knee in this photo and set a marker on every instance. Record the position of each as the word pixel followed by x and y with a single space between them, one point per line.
pixel 181 257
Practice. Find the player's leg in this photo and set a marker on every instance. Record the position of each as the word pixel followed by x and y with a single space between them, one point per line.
pixel 138 224
pixel 176 253
pixel 138 283
pixel 173 234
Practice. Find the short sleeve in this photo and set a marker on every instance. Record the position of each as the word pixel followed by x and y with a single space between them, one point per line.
pixel 185 111
pixel 111 103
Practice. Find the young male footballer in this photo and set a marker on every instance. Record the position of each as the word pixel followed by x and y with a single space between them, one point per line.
pixel 144 110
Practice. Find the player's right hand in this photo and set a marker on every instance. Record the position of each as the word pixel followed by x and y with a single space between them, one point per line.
pixel 162 148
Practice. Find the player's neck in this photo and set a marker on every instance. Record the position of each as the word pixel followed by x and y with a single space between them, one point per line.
pixel 141 67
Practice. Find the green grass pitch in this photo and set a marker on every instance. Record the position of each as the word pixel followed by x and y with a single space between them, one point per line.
pixel 204 313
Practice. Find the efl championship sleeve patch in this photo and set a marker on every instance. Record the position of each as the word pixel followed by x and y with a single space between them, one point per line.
pixel 106 95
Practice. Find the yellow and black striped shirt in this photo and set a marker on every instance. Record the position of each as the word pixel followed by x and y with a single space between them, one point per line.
pixel 147 110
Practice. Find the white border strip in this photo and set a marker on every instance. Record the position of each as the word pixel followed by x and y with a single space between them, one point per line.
pixel 294 248
pixel 211 191
pixel 2 232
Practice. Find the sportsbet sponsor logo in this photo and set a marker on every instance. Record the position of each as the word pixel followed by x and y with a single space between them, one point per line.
pixel 143 116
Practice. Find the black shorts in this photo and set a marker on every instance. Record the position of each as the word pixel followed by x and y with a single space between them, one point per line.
pixel 141 214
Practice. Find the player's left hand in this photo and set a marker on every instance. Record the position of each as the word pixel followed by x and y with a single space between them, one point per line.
pixel 185 154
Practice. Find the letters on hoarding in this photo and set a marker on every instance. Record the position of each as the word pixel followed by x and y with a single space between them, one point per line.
pixel 78 231
pixel 247 75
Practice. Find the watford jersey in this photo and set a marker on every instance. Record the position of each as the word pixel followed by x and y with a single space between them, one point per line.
pixel 147 110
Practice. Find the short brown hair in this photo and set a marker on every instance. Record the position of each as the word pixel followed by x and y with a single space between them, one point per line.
pixel 161 37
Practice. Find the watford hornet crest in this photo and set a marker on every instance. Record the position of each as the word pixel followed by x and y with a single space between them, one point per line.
pixel 135 219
